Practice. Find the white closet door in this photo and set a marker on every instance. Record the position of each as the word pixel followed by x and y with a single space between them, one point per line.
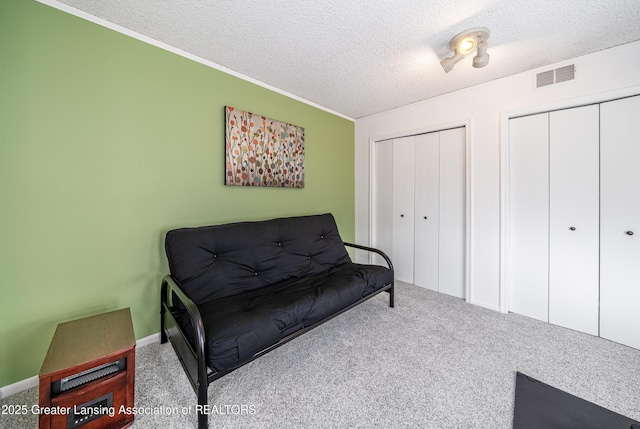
pixel 427 184
pixel 528 214
pixel 452 212
pixel 573 218
pixel 403 208
pixel 620 217
pixel 382 215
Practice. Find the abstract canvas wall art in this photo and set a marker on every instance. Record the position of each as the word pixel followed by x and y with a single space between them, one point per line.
pixel 262 151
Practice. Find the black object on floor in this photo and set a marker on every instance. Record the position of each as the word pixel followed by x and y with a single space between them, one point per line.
pixel 539 405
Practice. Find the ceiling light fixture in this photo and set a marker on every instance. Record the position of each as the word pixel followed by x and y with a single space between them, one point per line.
pixel 464 43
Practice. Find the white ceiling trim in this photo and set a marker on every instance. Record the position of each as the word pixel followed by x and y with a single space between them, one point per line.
pixel 112 26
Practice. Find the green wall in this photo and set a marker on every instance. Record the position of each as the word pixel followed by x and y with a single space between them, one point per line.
pixel 105 144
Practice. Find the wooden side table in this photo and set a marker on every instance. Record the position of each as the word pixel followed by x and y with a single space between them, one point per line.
pixel 88 374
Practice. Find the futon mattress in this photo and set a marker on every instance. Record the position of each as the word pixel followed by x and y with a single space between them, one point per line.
pixel 239 326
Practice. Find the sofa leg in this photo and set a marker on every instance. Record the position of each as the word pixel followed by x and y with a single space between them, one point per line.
pixel 163 334
pixel 163 294
pixel 391 295
pixel 202 420
pixel 203 402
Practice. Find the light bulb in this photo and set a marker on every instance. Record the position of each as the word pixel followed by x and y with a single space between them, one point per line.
pixel 466 45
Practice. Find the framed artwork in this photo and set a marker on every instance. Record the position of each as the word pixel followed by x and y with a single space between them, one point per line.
pixel 262 151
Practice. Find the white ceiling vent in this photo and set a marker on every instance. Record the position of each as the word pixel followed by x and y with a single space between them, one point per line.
pixel 558 75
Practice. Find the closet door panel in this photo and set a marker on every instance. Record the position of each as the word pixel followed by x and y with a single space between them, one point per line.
pixel 573 218
pixel 528 214
pixel 452 212
pixel 403 208
pixel 620 217
pixel 427 183
pixel 382 215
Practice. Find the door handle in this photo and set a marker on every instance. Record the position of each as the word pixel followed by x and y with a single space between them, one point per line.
pixel 629 232
pixel 573 228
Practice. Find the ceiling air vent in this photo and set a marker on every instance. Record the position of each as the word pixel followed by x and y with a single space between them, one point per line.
pixel 564 74
pixel 558 75
pixel 544 79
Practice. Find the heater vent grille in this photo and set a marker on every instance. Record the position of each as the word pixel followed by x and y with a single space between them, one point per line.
pixel 544 79
pixel 558 75
pixel 564 74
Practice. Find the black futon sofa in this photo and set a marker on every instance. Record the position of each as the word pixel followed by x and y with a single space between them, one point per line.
pixel 239 290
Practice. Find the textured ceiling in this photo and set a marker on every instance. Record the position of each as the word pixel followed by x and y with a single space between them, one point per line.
pixel 360 57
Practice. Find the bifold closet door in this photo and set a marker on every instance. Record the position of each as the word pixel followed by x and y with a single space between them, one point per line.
pixel 620 221
pixel 452 212
pixel 573 218
pixel 418 203
pixel 382 213
pixel 403 208
pixel 528 216
pixel 427 206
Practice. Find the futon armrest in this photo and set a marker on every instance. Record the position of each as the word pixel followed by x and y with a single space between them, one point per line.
pixel 371 249
pixel 169 285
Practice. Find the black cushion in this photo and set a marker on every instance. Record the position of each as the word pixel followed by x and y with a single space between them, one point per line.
pixel 215 262
pixel 237 327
